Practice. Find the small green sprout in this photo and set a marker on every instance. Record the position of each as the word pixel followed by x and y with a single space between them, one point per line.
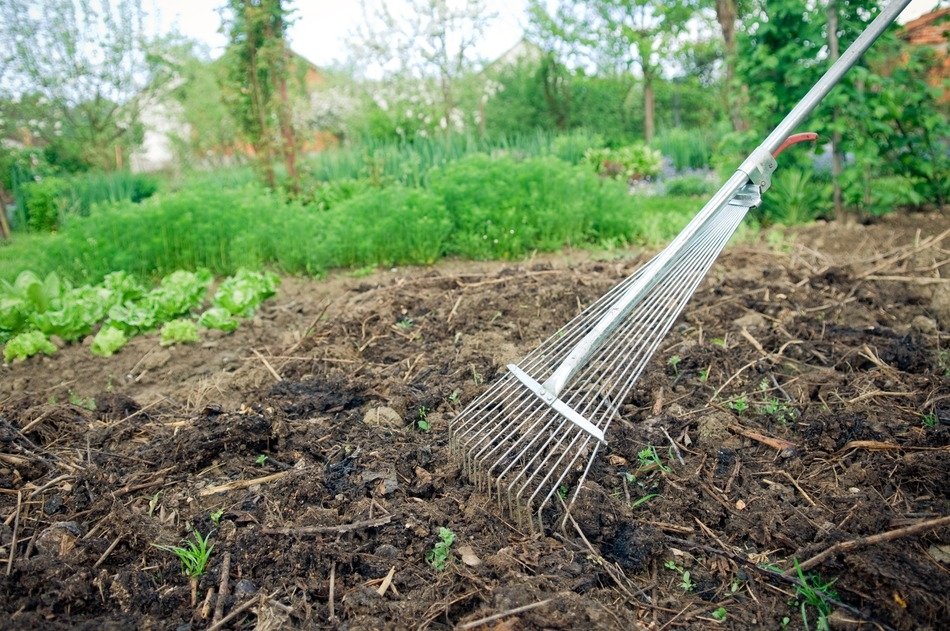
pixel 718 341
pixel 719 614
pixel 193 555
pixel 686 583
pixel 86 403
pixel 216 516
pixel 261 459
pixel 405 323
pixel 644 500
pixel 649 458
pixel 739 405
pixel 562 492
pixel 929 420
pixel 674 362
pixel 703 375
pixel 438 556
pixel 423 422
pixel 477 378
pixel 812 592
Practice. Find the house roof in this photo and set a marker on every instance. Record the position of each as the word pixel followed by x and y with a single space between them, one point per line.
pixel 930 29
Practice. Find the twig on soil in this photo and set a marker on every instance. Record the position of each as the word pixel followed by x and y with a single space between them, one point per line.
pixel 454 309
pixel 134 414
pixel 905 253
pixel 267 365
pixel 206 605
pixel 52 482
pixel 503 614
pixel 241 484
pixel 662 525
pixel 332 589
pixel 875 445
pixel 250 603
pixel 675 447
pixel 917 280
pixel 800 489
pixel 890 535
pixel 105 555
pixel 321 530
pixel 879 393
pixel 778 444
pixel 16 527
pixel 223 588
pixel 387 581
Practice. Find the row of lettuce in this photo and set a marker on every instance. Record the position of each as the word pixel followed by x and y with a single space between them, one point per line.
pixel 34 311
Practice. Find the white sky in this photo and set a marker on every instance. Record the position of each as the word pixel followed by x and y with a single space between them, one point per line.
pixel 321 26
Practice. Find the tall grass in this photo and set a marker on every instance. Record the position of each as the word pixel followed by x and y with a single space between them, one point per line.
pixel 409 162
pixel 688 149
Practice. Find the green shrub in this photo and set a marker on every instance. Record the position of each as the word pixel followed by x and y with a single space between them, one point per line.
pixel 686 148
pixel 46 203
pixel 795 197
pixel 391 226
pixel 504 208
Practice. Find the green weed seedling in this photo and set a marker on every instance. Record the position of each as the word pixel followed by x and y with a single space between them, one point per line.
pixel 260 460
pixel 813 593
pixel 438 556
pixel 686 583
pixel 929 420
pixel 719 614
pixel 649 458
pixel 643 500
pixel 674 362
pixel 423 422
pixel 216 516
pixel 193 555
pixel 405 323
pixel 739 405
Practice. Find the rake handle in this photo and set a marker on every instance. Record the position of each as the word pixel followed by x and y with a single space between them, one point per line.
pixel 757 169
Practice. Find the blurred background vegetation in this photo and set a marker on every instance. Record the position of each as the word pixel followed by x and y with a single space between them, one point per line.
pixel 606 126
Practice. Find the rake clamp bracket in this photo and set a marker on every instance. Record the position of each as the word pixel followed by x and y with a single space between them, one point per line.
pixel 556 404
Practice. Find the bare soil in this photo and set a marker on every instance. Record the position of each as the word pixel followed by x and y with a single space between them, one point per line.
pixel 800 409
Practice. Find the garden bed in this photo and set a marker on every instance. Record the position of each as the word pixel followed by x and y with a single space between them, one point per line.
pixel 800 409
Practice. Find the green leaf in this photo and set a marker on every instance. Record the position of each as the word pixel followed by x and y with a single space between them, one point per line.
pixel 108 340
pixel 179 331
pixel 26 345
pixel 218 318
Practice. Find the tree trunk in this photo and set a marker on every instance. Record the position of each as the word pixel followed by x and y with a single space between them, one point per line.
pixel 649 107
pixel 284 117
pixel 727 11
pixel 833 55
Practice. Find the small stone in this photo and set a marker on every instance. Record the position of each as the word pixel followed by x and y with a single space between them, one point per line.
pixel 749 321
pixel 383 417
pixel 923 324
pixel 58 539
pixel 244 587
pixel 469 557
pixel 940 304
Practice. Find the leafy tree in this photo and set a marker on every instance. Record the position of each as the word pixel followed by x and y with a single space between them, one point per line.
pixel 72 77
pixel 257 87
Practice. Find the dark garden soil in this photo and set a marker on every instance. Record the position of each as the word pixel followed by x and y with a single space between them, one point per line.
pixel 800 409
